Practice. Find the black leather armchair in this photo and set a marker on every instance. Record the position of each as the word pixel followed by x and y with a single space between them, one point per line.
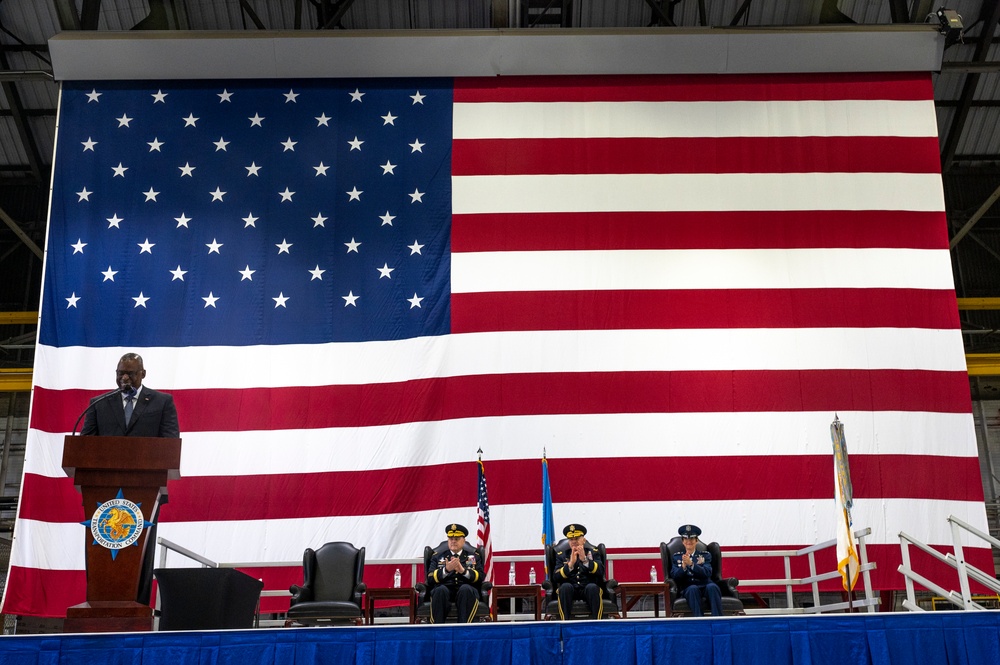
pixel 332 588
pixel 609 590
pixel 423 597
pixel 731 603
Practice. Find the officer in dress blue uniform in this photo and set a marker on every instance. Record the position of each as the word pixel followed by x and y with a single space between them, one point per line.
pixel 455 576
pixel 581 573
pixel 692 571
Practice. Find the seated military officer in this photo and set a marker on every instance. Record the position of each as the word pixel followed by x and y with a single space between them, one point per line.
pixel 454 576
pixel 579 573
pixel 692 571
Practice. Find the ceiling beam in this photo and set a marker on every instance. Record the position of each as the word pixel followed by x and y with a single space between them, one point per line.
pixel 40 113
pixel 247 10
pixel 740 13
pixel 977 157
pixel 19 232
pixel 340 8
pixel 659 16
pixel 989 17
pixel 976 216
pixel 898 12
pixel 951 103
pixel 21 121
pixel 987 67
pixel 499 13
pixel 66 12
pixel 26 75
pixel 920 10
pixel 90 14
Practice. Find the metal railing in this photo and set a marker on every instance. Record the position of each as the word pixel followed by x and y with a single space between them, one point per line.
pixel 955 560
pixel 870 601
pixel 790 583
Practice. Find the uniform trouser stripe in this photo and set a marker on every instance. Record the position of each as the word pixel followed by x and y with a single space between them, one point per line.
pixel 472 614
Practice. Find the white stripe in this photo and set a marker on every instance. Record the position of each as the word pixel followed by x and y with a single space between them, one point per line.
pixel 698 269
pixel 769 523
pixel 521 352
pixel 563 436
pixel 47 545
pixel 696 192
pixel 549 120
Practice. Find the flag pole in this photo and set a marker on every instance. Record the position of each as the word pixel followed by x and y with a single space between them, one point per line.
pixel 483 537
pixel 548 526
pixel 847 556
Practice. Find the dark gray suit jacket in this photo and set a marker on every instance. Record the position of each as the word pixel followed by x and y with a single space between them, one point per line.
pixel 154 415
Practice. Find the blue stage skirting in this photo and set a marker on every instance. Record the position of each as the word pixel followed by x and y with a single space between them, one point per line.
pixel 942 638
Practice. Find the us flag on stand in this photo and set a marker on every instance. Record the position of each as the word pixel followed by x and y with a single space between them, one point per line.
pixel 483 540
pixel 657 278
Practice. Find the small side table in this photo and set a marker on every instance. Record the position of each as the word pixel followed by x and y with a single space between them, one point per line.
pixel 501 592
pixel 373 594
pixel 639 589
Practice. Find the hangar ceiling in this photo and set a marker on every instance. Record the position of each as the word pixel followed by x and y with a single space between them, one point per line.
pixel 967 99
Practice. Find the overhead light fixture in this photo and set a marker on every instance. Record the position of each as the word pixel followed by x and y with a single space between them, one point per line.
pixel 949 24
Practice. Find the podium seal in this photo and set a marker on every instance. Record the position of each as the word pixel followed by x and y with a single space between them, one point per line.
pixel 116 524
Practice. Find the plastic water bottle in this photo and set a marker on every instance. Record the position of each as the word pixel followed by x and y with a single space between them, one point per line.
pixel 511 577
pixel 531 575
pixel 396 579
pixel 652 573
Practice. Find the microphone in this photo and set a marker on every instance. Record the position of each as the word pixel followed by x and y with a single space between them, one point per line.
pixel 90 406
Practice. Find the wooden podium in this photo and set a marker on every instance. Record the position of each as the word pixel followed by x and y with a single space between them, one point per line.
pixel 106 468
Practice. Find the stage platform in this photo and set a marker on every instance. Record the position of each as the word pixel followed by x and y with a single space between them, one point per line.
pixel 935 637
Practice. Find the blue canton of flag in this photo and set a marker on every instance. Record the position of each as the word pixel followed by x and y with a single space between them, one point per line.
pixel 250 213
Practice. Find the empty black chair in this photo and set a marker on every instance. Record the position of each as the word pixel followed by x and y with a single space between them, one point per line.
pixel 609 593
pixel 731 603
pixel 206 598
pixel 332 588
pixel 423 597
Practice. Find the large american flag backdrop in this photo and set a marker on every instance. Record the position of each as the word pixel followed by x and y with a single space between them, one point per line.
pixel 671 284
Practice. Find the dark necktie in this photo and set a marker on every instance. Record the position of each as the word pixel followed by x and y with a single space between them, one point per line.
pixel 128 407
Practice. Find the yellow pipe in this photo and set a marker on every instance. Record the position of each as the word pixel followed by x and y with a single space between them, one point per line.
pixel 978 303
pixel 983 364
pixel 16 318
pixel 15 380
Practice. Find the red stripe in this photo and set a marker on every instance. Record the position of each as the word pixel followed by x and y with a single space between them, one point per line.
pixel 45 593
pixel 681 309
pixel 530 394
pixel 809 154
pixel 696 87
pixel 699 230
pixel 436 487
pixel 49 499
pixel 39 592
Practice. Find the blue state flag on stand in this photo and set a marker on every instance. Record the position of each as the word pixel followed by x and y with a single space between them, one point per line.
pixel 548 527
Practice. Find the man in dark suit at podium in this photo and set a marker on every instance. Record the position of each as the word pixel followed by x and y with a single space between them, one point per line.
pixel 136 411
pixel 151 413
